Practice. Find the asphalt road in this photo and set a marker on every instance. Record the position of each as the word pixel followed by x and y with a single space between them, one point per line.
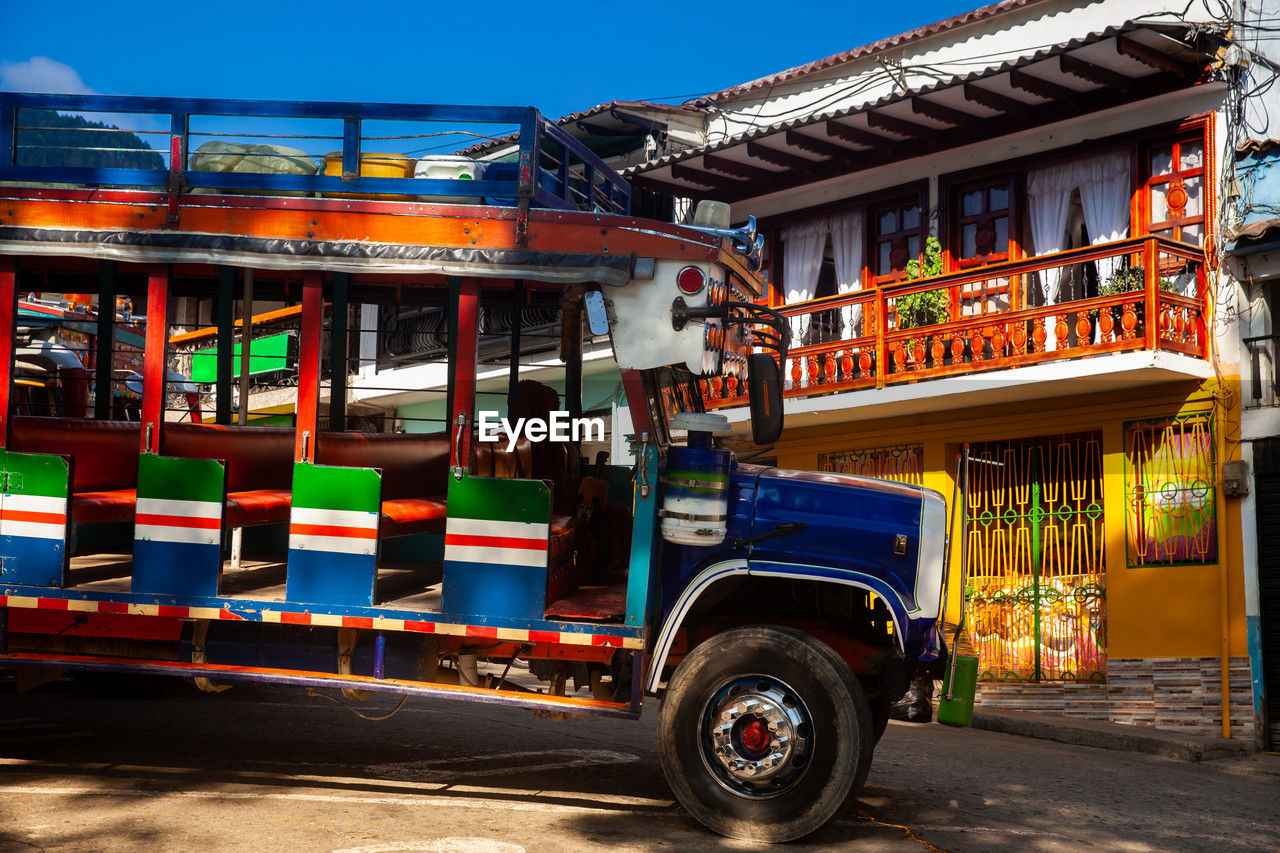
pixel 267 769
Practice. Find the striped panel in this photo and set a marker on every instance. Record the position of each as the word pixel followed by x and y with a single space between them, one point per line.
pixel 506 543
pixel 335 530
pixel 178 521
pixel 35 516
pixel 374 623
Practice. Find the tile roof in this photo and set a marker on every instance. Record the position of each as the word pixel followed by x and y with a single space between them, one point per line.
pixel 867 49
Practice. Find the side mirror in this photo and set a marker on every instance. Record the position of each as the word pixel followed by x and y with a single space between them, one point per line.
pixel 764 383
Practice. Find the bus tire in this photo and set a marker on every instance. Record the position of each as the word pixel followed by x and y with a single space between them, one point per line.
pixel 765 734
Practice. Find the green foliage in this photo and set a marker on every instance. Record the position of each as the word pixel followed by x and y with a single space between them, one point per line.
pixel 930 306
pixel 54 139
pixel 1127 279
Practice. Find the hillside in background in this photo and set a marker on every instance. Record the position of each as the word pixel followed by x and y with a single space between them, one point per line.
pixel 50 138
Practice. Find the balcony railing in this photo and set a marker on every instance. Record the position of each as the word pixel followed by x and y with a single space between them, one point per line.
pixel 1152 297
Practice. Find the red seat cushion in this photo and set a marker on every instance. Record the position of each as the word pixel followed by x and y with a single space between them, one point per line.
pixel 257 506
pixel 406 516
pixel 103 507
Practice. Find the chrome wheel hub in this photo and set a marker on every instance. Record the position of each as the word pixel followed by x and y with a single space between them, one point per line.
pixel 757 736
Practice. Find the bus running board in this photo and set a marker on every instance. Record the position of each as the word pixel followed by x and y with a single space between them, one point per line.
pixel 295 678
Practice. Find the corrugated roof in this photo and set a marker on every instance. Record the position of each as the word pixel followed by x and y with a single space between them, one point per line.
pixel 885 100
pixel 868 49
pixel 481 147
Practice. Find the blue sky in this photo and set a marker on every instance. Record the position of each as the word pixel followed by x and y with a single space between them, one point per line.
pixel 559 57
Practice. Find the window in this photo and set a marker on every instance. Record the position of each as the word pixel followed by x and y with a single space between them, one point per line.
pixel 982 220
pixel 1173 194
pixel 1170 496
pixel 897 237
pixel 903 463
pixel 982 232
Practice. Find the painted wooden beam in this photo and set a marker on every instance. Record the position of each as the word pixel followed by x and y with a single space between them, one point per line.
pixel 1149 56
pixel 1044 88
pixel 900 126
pixel 1095 73
pixel 874 141
pixel 940 112
pixel 996 101
pixel 734 167
pixel 822 148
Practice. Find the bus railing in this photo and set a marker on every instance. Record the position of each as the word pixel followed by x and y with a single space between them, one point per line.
pixel 553 169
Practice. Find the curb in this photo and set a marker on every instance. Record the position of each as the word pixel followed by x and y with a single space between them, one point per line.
pixel 1167 744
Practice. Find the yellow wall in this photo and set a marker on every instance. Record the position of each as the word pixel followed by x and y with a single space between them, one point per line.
pixel 1165 611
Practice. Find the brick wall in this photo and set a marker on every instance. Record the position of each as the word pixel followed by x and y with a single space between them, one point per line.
pixel 1182 694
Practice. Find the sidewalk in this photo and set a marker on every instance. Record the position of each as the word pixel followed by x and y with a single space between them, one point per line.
pixel 1169 744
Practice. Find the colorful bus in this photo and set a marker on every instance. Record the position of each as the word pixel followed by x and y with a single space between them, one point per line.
pixel 775 614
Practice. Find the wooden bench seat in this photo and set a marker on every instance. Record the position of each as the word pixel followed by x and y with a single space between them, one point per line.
pixel 104 462
pixel 259 464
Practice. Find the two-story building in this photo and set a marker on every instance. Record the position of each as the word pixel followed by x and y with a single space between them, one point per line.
pixel 1002 231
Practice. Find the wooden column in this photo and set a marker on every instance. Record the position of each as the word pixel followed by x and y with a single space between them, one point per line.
pixel 464 298
pixel 338 351
pixel 225 352
pixel 8 316
pixel 309 366
pixel 157 341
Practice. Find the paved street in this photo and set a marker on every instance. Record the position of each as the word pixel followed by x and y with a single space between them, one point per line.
pixel 266 769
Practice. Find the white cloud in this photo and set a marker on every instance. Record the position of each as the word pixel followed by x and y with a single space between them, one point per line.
pixel 42 74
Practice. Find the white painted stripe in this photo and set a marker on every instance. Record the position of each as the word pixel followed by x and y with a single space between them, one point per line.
pixel 82 606
pixel 445 801
pixel 271 616
pixel 35 503
pixel 176 535
pixel 388 624
pixel 518 635
pixel 32 529
pixel 575 639
pixel 328 620
pixel 333 544
pixel 204 612
pixel 334 517
pixel 144 609
pixel 500 556
pixel 484 527
pixel 22 601
pixel 189 509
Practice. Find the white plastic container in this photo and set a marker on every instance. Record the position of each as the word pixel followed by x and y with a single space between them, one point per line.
pixel 448 167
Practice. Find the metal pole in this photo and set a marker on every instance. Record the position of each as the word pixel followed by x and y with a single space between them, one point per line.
pixel 106 339
pixel 517 323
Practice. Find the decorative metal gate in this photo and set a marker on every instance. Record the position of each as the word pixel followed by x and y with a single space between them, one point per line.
pixel 1036 588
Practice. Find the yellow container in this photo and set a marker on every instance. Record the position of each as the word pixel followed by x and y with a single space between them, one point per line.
pixel 373 166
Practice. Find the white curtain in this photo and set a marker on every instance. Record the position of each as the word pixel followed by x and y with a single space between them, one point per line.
pixel 803 247
pixel 1049 205
pixel 846 245
pixel 1104 196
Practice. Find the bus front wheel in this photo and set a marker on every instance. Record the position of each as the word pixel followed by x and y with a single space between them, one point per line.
pixel 765 734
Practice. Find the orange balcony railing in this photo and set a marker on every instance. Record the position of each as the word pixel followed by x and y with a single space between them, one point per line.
pixel 1151 296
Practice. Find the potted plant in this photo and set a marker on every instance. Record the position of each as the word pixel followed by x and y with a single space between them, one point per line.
pixel 1129 279
pixel 928 307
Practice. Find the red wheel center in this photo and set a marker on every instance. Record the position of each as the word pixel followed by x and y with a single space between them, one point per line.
pixel 755 736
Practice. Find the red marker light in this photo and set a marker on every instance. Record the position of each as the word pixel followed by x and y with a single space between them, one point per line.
pixel 691 280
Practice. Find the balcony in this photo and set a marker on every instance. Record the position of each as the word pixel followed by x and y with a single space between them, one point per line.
pixel 1152 299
